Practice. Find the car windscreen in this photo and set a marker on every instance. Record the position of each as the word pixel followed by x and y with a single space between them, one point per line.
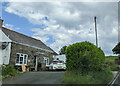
pixel 60 61
pixel 55 61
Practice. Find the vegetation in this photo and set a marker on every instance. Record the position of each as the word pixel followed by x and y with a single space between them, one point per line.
pixel 116 49
pixel 9 71
pixel 93 77
pixel 85 64
pixel 62 50
pixel 110 62
pixel 84 57
pixel 111 57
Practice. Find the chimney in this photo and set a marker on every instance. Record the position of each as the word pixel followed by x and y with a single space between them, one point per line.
pixel 1 22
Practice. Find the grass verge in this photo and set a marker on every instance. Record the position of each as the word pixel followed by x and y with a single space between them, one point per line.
pixel 111 57
pixel 94 77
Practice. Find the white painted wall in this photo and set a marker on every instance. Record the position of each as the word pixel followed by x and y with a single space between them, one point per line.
pixel 61 57
pixel 4 54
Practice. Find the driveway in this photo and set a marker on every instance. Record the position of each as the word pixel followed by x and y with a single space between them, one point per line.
pixel 37 78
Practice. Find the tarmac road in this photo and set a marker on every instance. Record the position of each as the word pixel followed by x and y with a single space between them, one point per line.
pixel 117 81
pixel 49 77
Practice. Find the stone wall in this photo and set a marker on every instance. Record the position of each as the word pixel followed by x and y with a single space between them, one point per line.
pixel 18 48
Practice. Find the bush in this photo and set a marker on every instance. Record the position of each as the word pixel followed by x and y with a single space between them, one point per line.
pixel 84 56
pixel 9 70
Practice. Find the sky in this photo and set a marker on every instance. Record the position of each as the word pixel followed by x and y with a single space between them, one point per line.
pixel 63 23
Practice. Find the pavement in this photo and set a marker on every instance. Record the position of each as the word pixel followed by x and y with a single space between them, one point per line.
pixel 37 78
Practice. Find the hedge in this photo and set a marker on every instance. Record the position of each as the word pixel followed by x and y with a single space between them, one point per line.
pixel 84 56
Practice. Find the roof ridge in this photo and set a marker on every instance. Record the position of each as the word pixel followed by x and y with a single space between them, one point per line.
pixel 29 37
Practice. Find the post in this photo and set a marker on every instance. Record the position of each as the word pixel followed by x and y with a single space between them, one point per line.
pixel 36 64
pixel 96 31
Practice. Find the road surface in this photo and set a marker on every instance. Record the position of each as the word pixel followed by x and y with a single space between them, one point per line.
pixel 36 78
pixel 117 81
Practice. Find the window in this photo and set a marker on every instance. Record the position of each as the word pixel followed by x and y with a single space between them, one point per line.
pixel 21 59
pixel 46 59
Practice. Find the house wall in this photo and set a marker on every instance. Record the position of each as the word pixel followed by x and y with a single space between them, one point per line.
pixel 60 57
pixel 18 48
pixel 4 53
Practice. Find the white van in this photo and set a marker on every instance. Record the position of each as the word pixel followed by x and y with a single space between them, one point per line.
pixel 57 64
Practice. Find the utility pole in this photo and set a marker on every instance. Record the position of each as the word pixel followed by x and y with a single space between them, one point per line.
pixel 96 31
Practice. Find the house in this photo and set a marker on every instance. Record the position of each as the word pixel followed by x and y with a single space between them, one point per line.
pixel 17 49
pixel 60 57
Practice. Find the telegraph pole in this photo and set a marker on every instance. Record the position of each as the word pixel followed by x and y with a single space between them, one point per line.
pixel 96 31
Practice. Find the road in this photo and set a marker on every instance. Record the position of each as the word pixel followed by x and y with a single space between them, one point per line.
pixel 117 81
pixel 37 78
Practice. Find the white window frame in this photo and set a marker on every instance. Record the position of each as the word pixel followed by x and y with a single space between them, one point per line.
pixel 23 56
pixel 46 60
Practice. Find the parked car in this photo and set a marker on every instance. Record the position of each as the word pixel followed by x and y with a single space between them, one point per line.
pixel 58 64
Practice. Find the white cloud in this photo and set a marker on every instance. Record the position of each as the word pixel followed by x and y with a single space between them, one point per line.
pixel 9 26
pixel 12 27
pixel 71 22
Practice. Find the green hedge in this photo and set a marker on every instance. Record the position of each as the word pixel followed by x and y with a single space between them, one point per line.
pixel 84 56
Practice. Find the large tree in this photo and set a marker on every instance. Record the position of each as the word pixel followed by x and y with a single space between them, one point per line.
pixel 62 50
pixel 116 49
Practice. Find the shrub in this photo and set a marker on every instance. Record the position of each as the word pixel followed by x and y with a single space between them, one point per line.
pixel 9 70
pixel 84 56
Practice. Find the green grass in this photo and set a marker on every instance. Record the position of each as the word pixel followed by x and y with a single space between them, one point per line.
pixel 111 57
pixel 103 77
pixel 110 62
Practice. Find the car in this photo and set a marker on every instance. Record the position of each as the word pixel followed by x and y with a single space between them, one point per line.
pixel 57 64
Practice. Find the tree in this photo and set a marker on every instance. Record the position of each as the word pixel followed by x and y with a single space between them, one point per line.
pixel 84 56
pixel 116 49
pixel 62 50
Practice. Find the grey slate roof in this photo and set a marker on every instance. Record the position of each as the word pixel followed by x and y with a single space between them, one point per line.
pixel 21 38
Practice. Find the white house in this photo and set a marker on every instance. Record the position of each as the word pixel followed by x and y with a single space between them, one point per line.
pixel 60 57
pixel 5 47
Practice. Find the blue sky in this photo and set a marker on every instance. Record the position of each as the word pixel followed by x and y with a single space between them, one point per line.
pixel 22 23
pixel 12 19
pixel 63 23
